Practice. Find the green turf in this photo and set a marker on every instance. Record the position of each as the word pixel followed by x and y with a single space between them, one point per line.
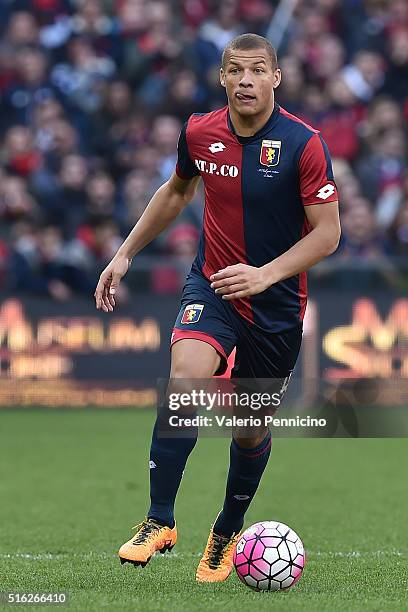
pixel 73 483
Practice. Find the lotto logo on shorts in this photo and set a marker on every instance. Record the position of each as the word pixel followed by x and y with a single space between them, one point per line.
pixel 192 313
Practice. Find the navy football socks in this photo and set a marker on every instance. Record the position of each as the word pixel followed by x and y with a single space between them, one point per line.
pixel 245 472
pixel 168 457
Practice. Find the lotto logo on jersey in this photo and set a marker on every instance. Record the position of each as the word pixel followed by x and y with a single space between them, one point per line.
pixel 270 152
pixel 192 313
pixel 325 192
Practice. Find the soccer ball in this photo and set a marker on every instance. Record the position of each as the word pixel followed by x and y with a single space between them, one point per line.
pixel 269 556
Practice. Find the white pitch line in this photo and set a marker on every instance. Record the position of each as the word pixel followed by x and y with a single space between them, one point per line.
pixel 355 553
pixel 175 555
pixel 82 556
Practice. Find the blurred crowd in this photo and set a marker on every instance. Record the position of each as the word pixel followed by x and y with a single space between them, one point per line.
pixel 93 94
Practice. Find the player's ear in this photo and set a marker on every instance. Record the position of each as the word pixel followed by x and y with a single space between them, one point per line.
pixel 222 77
pixel 277 77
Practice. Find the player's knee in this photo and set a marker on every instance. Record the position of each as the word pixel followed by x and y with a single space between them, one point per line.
pixel 186 364
pixel 183 369
pixel 250 441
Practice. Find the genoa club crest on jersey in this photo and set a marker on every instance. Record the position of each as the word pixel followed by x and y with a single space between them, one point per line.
pixel 192 313
pixel 270 152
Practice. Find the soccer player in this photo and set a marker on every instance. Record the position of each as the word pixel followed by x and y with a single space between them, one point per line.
pixel 271 212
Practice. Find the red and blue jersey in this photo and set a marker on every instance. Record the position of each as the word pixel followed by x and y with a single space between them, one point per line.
pixel 256 189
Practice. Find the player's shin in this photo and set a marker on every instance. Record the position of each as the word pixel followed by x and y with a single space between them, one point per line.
pixel 245 472
pixel 168 457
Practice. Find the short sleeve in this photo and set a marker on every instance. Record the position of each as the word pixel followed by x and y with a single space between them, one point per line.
pixel 185 168
pixel 317 184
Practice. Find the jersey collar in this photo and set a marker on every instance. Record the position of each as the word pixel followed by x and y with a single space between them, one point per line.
pixel 260 133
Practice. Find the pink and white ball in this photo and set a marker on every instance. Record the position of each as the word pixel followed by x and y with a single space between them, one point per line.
pixel 269 556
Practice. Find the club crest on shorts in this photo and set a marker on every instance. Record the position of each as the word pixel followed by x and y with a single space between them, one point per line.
pixel 192 313
pixel 270 152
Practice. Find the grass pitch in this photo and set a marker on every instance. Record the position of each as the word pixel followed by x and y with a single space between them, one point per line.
pixel 73 483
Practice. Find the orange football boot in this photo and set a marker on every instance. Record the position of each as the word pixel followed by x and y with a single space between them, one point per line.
pixel 148 539
pixel 217 561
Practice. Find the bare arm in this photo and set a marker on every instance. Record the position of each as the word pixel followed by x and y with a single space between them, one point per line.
pixel 318 244
pixel 241 280
pixel 166 204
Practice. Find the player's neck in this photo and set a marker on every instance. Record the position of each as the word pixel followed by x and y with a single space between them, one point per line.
pixel 248 126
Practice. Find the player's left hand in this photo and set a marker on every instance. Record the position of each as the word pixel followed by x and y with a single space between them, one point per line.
pixel 239 281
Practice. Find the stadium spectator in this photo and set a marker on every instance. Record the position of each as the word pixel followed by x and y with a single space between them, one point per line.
pixel 184 95
pixel 30 87
pixel 399 231
pixel 136 192
pixel 22 29
pixel 80 78
pixel 71 198
pixel 37 262
pixel 164 137
pixel 384 164
pixel 20 154
pixel 101 196
pixel 360 236
pixel 15 201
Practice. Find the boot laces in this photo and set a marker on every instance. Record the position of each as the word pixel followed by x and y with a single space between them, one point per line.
pixel 145 531
pixel 216 550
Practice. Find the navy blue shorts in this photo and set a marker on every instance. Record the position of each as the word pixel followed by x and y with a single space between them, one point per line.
pixel 205 316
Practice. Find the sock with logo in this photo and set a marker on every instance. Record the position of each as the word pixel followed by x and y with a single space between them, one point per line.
pixel 246 468
pixel 168 457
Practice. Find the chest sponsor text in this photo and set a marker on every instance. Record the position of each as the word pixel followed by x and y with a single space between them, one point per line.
pixel 207 167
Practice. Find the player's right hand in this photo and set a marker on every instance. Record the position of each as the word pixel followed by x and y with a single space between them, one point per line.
pixel 109 282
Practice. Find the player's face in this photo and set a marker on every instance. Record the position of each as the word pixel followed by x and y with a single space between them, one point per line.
pixel 250 80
